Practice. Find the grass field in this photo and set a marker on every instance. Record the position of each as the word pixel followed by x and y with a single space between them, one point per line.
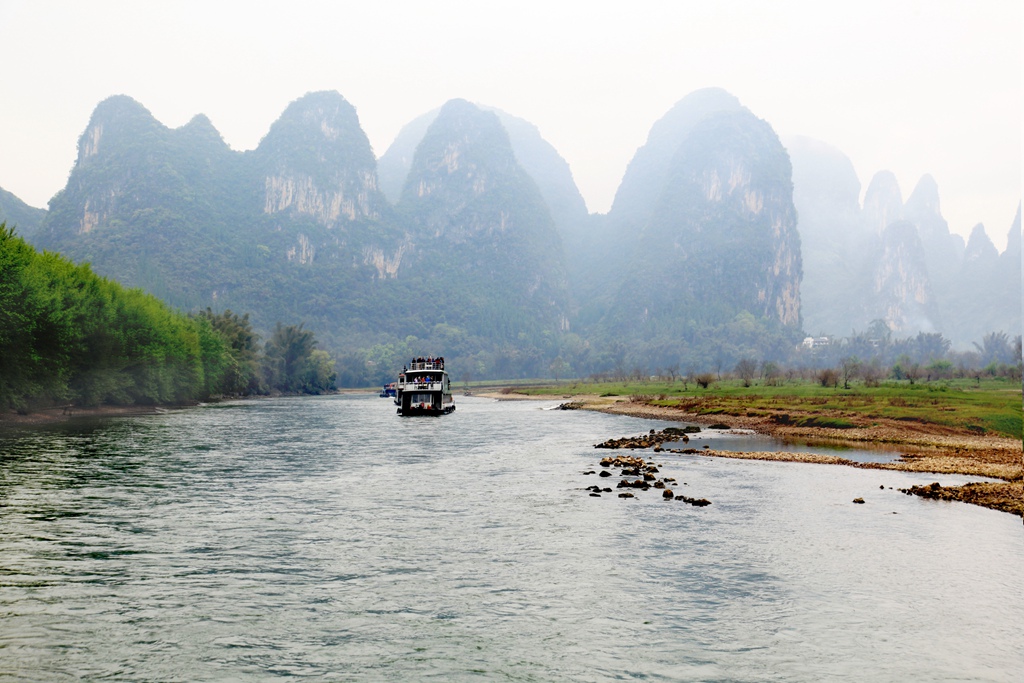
pixel 991 406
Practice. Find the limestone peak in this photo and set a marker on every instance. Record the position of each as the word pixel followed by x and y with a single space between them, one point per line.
pixel 883 202
pixel 116 121
pixel 922 206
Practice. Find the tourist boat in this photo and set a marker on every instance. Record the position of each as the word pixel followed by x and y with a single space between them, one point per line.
pixel 424 388
pixel 388 390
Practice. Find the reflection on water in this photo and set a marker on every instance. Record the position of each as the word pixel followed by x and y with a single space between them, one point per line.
pixel 327 537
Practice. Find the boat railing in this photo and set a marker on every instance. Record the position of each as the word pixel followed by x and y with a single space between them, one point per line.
pixel 433 365
pixel 434 385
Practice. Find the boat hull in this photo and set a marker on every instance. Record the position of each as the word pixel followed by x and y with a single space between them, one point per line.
pixel 426 412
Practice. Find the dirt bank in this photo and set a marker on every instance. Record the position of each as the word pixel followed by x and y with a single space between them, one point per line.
pixel 923 447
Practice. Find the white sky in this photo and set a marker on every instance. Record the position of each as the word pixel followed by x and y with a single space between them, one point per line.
pixel 911 86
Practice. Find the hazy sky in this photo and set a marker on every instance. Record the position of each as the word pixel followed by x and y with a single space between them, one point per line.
pixel 913 87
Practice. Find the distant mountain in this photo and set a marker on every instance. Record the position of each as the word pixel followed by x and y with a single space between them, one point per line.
pixel 649 170
pixel 862 264
pixel 990 286
pixel 20 215
pixel 944 250
pixel 533 153
pixel 604 257
pixel 899 288
pixel 833 238
pixel 290 231
pixel 393 166
pixel 298 229
pixel 1011 265
pixel 892 261
pixel 900 282
pixel 980 253
pixel 553 177
pixel 487 253
pixel 316 162
pixel 883 202
pixel 150 206
pixel 720 245
pixel 475 241
pixel 1011 257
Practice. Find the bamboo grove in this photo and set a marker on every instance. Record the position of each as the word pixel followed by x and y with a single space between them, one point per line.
pixel 69 336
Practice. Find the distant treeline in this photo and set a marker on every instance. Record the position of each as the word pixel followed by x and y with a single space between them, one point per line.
pixel 870 357
pixel 69 336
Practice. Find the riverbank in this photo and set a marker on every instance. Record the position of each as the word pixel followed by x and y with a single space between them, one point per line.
pixel 923 447
pixel 58 415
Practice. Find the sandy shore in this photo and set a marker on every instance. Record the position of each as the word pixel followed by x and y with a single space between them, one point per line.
pixel 921 447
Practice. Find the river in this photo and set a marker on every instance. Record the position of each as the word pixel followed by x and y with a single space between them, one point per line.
pixel 326 537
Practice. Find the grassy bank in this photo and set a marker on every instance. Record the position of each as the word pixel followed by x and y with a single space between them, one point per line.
pixel 967 427
pixel 991 406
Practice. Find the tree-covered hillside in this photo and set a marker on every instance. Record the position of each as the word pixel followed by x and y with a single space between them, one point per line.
pixel 475 241
pixel 485 240
pixel 18 214
pixel 486 259
pixel 297 230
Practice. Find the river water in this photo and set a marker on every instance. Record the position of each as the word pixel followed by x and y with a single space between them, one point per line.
pixel 326 537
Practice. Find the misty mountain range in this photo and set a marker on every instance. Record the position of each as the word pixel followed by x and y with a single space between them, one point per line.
pixel 469 235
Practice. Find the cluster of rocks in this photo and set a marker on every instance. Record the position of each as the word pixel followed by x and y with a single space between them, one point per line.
pixel 653 439
pixel 571 405
pixel 645 473
pixel 696 502
pixel 596 491
pixel 933 490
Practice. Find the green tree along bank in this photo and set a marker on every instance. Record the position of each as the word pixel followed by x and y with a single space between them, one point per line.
pixel 70 336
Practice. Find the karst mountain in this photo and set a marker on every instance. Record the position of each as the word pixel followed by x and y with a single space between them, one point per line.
pixel 469 235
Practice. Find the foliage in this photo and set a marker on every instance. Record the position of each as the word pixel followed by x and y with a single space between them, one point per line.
pixel 704 380
pixel 996 347
pixel 70 336
pixel 292 362
pixel 771 373
pixel 849 367
pixel 746 370
pixel 242 373
pixel 828 377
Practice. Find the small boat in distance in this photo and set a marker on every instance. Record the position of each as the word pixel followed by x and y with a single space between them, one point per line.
pixel 388 390
pixel 424 388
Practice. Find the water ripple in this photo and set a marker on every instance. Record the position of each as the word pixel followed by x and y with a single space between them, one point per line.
pixel 326 537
